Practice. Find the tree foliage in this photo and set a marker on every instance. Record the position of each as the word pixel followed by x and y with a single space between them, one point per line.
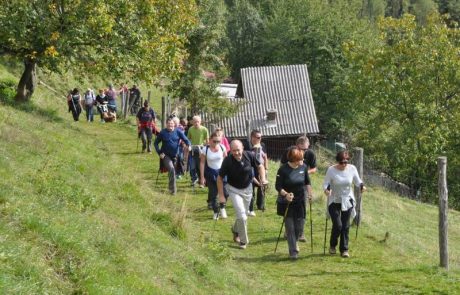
pixel 141 39
pixel 204 67
pixel 404 96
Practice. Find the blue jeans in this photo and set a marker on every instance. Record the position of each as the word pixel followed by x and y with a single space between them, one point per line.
pixel 89 113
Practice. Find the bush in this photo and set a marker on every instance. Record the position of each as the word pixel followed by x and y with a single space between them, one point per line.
pixel 7 89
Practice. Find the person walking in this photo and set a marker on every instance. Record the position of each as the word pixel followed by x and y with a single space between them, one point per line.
pixel 338 187
pixel 90 100
pixel 199 137
pixel 256 146
pixel 170 138
pixel 74 102
pixel 293 184
pixel 145 123
pixel 238 168
pixel 211 158
pixel 101 104
pixel 309 159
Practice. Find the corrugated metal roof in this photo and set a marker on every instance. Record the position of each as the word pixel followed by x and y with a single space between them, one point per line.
pixel 283 88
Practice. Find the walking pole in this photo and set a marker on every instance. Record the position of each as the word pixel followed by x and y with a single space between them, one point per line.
pixel 311 229
pixel 214 226
pixel 324 246
pixel 325 230
pixel 358 216
pixel 282 224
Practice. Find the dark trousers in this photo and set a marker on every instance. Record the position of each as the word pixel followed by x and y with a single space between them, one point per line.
pixel 169 164
pixel 76 110
pixel 212 193
pixel 259 198
pixel 194 162
pixel 294 226
pixel 146 136
pixel 340 226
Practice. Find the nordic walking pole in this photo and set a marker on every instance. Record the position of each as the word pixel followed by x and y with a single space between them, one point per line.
pixel 311 229
pixel 358 216
pixel 282 224
pixel 214 226
pixel 325 230
pixel 324 246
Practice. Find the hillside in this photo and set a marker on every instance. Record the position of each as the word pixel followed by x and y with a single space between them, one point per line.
pixel 80 213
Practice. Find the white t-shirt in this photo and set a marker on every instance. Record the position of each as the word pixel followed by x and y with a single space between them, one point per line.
pixel 214 159
pixel 341 183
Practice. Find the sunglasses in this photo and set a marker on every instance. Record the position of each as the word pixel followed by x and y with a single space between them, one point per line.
pixel 343 162
pixel 257 137
pixel 216 141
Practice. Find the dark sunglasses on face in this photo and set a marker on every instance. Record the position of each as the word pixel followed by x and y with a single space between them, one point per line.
pixel 216 141
pixel 343 162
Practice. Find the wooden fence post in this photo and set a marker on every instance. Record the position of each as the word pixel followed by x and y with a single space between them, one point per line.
pixel 163 112
pixel 358 156
pixel 443 208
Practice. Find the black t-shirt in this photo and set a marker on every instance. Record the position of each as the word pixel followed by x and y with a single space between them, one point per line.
pixel 309 158
pixel 293 180
pixel 239 173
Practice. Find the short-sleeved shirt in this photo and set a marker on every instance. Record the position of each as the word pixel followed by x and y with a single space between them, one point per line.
pixel 213 159
pixel 309 158
pixel 239 173
pixel 197 136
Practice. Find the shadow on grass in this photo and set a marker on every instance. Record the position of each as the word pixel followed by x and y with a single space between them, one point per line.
pixel 29 107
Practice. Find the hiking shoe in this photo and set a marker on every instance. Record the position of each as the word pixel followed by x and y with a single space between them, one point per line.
pixel 194 182
pixel 302 238
pixel 209 205
pixel 223 213
pixel 332 251
pixel 345 254
pixel 252 213
pixel 294 256
pixel 242 245
pixel 215 216
pixel 236 238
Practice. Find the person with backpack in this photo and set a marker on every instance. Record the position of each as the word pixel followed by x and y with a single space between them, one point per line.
pixel 170 138
pixel 146 124
pixel 135 99
pixel 74 102
pixel 257 148
pixel 211 158
pixel 90 100
pixel 294 187
pixel 198 136
pixel 238 169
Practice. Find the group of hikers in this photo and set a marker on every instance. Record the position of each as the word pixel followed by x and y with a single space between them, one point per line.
pixel 238 171
pixel 105 102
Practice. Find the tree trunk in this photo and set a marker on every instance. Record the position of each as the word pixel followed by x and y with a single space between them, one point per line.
pixel 28 81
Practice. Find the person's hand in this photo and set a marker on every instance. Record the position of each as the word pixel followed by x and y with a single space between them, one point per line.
pixel 309 198
pixel 202 181
pixel 327 192
pixel 162 156
pixel 289 197
pixel 264 182
pixel 222 199
pixel 362 188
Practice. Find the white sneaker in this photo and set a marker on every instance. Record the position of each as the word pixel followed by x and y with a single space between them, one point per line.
pixel 252 213
pixel 223 213
pixel 215 216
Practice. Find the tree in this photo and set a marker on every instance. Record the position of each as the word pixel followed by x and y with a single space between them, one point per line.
pixel 205 55
pixel 141 39
pixel 404 97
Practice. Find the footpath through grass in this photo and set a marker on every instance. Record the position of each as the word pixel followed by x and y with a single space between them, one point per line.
pixel 80 213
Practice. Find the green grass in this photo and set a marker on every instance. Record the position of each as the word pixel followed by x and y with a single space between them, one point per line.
pixel 80 213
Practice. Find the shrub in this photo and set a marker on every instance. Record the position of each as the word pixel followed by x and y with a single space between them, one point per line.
pixel 7 89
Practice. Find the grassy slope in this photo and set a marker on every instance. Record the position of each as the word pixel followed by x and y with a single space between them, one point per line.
pixel 70 224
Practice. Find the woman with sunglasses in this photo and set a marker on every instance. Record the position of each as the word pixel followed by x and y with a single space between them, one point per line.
pixel 341 200
pixel 211 158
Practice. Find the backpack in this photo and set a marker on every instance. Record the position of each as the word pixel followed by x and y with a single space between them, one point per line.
pixel 89 99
